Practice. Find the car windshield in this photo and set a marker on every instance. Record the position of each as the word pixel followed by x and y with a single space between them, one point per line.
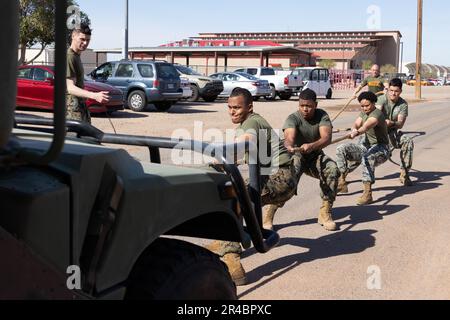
pixel 247 76
pixel 187 70
pixel 166 70
pixel 303 74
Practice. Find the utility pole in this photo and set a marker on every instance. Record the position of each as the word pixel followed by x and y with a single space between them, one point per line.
pixel 419 49
pixel 125 44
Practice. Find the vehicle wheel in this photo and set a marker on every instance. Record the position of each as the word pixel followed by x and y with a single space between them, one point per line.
pixel 195 93
pixel 256 98
pixel 285 95
pixel 273 93
pixel 210 99
pixel 163 106
pixel 329 94
pixel 171 269
pixel 137 101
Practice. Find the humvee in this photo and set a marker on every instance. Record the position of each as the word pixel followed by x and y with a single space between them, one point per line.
pixel 80 219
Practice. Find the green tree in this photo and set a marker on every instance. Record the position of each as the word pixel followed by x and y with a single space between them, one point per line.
pixel 37 25
pixel 388 68
pixel 327 63
pixel 367 64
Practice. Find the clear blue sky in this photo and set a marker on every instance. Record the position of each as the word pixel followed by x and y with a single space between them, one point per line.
pixel 155 22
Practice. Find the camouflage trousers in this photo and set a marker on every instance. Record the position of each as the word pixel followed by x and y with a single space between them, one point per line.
pixel 406 152
pixel 319 167
pixel 277 189
pixel 351 155
pixel 77 110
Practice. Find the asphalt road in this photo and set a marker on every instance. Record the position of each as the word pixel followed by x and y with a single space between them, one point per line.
pixel 399 244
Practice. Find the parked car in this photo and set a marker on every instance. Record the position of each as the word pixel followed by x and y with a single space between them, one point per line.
pixel 142 82
pixel 186 86
pixel 316 79
pixel 203 87
pixel 423 82
pixel 35 87
pixel 231 80
pixel 282 83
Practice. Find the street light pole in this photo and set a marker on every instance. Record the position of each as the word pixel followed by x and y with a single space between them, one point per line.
pixel 401 57
pixel 125 44
pixel 419 50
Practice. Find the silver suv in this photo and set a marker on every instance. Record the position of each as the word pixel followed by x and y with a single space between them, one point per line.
pixel 201 86
pixel 142 82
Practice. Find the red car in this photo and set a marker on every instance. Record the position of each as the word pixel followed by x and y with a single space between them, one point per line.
pixel 35 90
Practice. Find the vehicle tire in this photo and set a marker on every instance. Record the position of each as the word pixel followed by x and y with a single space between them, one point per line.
pixel 329 94
pixel 163 106
pixel 273 93
pixel 171 269
pixel 210 99
pixel 285 95
pixel 256 98
pixel 195 93
pixel 137 101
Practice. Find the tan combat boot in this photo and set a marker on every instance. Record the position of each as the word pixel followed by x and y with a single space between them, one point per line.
pixel 235 268
pixel 404 178
pixel 325 218
pixel 366 197
pixel 342 184
pixel 268 215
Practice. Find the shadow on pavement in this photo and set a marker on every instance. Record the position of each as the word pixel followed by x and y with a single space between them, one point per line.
pixel 422 181
pixel 331 245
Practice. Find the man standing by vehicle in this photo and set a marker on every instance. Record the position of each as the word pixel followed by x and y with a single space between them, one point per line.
pixel 371 151
pixel 395 110
pixel 76 95
pixel 374 81
pixel 309 130
pixel 276 188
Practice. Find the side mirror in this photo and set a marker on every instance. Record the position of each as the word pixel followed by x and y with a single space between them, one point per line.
pixel 50 81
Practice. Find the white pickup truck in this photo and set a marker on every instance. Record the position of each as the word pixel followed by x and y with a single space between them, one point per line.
pixel 282 83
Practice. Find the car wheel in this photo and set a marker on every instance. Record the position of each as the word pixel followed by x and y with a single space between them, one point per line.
pixel 195 93
pixel 210 99
pixel 329 94
pixel 171 269
pixel 163 106
pixel 137 101
pixel 273 93
pixel 285 95
pixel 256 98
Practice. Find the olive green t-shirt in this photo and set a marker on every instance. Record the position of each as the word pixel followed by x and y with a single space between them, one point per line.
pixel 392 110
pixel 75 69
pixel 271 149
pixel 375 84
pixel 378 134
pixel 307 131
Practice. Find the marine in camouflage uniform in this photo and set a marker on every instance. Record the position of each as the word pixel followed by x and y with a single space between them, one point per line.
pixel 310 130
pixel 76 106
pixel 276 188
pixel 371 151
pixel 395 110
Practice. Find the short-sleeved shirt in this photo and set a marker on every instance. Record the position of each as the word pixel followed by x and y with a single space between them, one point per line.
pixel 75 69
pixel 392 110
pixel 271 149
pixel 378 134
pixel 375 84
pixel 307 131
